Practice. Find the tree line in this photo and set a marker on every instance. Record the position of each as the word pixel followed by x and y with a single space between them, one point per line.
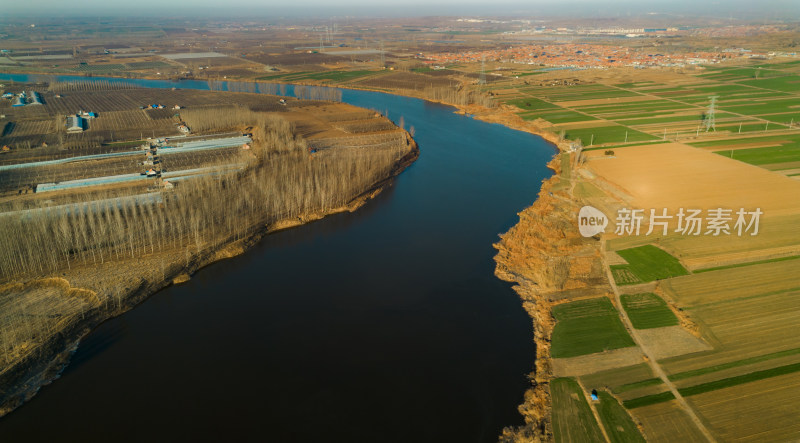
pixel 283 182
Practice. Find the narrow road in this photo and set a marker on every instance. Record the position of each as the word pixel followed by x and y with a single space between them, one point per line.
pixel 657 369
pixel 594 411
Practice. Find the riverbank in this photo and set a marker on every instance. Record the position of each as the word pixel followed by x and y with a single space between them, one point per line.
pixel 123 284
pixel 546 258
pixel 535 406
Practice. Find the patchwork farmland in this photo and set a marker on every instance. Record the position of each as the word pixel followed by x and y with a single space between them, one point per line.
pixel 750 108
pixel 699 338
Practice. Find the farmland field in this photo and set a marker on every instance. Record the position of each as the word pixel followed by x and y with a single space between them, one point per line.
pixel 587 326
pixel 558 116
pixel 573 420
pixel 764 410
pixel 738 314
pixel 607 134
pixel 648 310
pixel 766 155
pixel 649 263
pixel 668 423
pixel 616 421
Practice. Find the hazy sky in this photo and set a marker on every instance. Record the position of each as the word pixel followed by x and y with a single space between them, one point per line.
pixel 321 8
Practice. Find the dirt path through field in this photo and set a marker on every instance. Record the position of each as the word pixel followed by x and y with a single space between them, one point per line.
pixel 657 369
pixel 594 410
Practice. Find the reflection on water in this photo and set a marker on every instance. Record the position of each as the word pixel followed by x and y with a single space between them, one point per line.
pixel 386 324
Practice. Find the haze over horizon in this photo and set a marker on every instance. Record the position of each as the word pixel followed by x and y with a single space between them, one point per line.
pixel 740 9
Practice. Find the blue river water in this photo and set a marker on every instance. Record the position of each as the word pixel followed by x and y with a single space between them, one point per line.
pixel 384 325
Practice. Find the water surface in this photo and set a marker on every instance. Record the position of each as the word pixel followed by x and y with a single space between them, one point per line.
pixel 386 325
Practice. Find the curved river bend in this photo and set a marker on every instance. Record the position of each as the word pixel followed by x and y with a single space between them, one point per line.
pixel 386 325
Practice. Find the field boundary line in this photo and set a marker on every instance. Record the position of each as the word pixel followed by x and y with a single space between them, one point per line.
pixel 594 411
pixel 654 365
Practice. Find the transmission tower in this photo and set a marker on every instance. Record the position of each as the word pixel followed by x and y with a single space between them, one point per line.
pixel 482 78
pixel 383 56
pixel 710 118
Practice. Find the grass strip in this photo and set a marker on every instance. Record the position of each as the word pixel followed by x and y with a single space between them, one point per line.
pixel 740 265
pixel 616 421
pixel 648 400
pixel 638 384
pixel 747 361
pixel 739 380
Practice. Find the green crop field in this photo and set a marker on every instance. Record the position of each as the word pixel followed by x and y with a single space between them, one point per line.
pixel 635 85
pixel 738 380
pixel 592 95
pixel 713 385
pixel 587 326
pixel 607 134
pixel 787 140
pixel 339 76
pixel 616 421
pixel 733 364
pixel 648 105
pixel 573 420
pixel 284 75
pixel 638 384
pixel 764 156
pixel 750 127
pixel 770 106
pixel 649 263
pixel 648 311
pixel 532 104
pixel 789 83
pixel 558 116
pixel 654 114
pixel 696 118
pixel 739 265
pixel 648 400
pixel 623 276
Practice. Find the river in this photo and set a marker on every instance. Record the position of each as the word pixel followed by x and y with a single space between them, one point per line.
pixel 386 324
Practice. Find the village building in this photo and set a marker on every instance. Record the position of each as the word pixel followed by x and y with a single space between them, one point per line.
pixel 75 123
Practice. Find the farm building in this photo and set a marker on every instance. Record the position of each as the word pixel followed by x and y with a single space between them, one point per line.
pixel 35 98
pixel 74 123
pixel 23 99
